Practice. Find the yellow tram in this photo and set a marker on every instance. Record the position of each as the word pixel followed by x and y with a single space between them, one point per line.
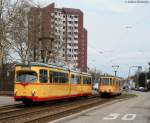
pixel 37 82
pixel 110 85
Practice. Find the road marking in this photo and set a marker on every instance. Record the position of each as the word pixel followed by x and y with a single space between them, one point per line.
pixel 112 116
pixel 129 117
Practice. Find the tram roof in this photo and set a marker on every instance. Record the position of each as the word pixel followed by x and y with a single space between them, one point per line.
pixel 110 76
pixel 51 66
pixel 41 65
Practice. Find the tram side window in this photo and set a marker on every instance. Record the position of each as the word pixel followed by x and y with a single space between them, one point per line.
pixel 86 80
pixel 43 76
pixel 89 80
pixel 50 77
pixel 58 77
pixel 111 82
pixel 116 83
pixel 63 78
pixel 105 81
pixel 75 79
pixel 101 81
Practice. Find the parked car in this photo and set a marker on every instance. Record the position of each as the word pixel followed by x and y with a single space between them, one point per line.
pixel 142 89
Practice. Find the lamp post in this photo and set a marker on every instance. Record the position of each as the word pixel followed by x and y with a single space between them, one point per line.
pixel 139 68
pixel 115 67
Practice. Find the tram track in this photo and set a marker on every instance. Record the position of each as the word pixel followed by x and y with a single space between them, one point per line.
pixel 10 107
pixel 50 111
pixel 68 110
pixel 23 114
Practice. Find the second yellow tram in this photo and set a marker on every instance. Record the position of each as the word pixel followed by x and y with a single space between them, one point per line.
pixel 110 85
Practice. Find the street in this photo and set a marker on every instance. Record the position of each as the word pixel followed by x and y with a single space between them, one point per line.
pixel 135 110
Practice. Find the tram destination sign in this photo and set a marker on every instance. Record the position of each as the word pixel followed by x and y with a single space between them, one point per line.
pixel 26 68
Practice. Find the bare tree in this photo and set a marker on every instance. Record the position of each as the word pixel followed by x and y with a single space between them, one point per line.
pixel 19 35
pixel 13 28
pixel 95 75
pixel 4 28
pixel 13 33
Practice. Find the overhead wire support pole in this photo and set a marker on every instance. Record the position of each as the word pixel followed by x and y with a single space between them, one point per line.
pixel 139 67
pixel 115 67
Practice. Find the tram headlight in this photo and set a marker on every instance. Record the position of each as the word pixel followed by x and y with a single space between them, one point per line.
pixel 15 92
pixel 33 93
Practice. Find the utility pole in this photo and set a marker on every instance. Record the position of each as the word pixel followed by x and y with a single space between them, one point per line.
pixel 139 69
pixel 115 67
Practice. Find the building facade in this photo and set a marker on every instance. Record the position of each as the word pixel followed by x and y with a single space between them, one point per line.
pixel 58 34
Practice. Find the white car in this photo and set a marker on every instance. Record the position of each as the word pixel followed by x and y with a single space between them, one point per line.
pixel 141 89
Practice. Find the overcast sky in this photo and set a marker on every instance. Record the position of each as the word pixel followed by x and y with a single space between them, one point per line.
pixel 118 32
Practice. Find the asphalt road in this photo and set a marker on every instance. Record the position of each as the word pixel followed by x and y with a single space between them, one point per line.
pixel 135 110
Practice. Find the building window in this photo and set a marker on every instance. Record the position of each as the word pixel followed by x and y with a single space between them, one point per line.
pixel 75 50
pixel 70 22
pixel 69 38
pixel 75 33
pixel 76 22
pixel 75 16
pixel 75 38
pixel 71 16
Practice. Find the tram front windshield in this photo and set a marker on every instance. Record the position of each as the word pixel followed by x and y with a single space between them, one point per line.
pixel 105 81
pixel 26 76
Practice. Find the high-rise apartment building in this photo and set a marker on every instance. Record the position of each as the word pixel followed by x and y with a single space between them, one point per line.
pixel 61 32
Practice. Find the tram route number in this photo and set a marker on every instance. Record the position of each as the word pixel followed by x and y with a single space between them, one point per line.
pixel 114 116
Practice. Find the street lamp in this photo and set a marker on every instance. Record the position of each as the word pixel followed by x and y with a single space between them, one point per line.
pixel 139 68
pixel 115 67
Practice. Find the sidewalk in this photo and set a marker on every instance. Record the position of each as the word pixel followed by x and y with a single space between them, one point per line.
pixel 7 100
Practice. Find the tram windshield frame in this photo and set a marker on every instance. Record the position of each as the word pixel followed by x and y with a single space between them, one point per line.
pixel 26 76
